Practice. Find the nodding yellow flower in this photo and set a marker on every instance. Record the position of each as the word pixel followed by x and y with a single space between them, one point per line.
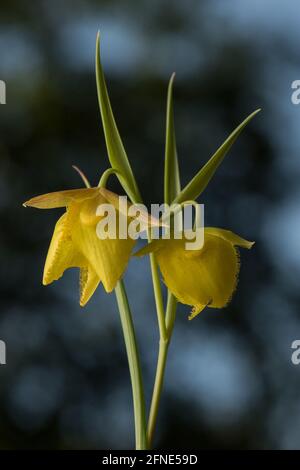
pixel 201 278
pixel 75 242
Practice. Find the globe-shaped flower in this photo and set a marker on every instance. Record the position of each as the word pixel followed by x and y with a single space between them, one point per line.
pixel 201 278
pixel 75 242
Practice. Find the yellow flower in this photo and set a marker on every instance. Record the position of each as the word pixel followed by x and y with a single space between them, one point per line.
pixel 200 278
pixel 75 242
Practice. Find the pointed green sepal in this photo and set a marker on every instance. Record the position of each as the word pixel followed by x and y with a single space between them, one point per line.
pixel 197 185
pixel 172 178
pixel 115 149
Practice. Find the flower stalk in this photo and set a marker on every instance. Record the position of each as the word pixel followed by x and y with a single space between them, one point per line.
pixel 134 367
pixel 157 389
pixel 161 367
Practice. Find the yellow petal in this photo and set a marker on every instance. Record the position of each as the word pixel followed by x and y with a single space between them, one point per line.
pixel 208 278
pixel 108 257
pixel 89 282
pixel 61 198
pixel 196 310
pixel 62 253
pixel 88 210
pixel 231 237
pixel 146 219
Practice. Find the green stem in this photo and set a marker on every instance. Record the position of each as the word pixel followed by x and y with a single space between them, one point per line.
pixel 134 367
pixel 158 298
pixel 165 327
pixel 105 175
pixel 160 368
pixel 171 313
pixel 157 389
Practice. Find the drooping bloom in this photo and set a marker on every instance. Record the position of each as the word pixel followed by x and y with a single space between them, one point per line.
pixel 201 278
pixel 75 242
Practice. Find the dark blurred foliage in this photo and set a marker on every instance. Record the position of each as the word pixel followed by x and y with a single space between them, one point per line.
pixel 230 382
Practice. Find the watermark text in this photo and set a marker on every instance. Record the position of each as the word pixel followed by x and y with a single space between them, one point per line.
pixel 295 96
pixel 2 353
pixel 2 92
pixel 178 221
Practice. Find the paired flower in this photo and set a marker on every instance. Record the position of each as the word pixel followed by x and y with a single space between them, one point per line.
pixel 201 278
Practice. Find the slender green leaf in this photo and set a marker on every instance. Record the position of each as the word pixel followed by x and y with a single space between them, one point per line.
pixel 116 152
pixel 197 185
pixel 172 178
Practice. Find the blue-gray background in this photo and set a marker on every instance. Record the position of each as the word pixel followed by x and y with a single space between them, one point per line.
pixel 230 382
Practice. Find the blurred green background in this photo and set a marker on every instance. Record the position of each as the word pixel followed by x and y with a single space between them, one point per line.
pixel 230 382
